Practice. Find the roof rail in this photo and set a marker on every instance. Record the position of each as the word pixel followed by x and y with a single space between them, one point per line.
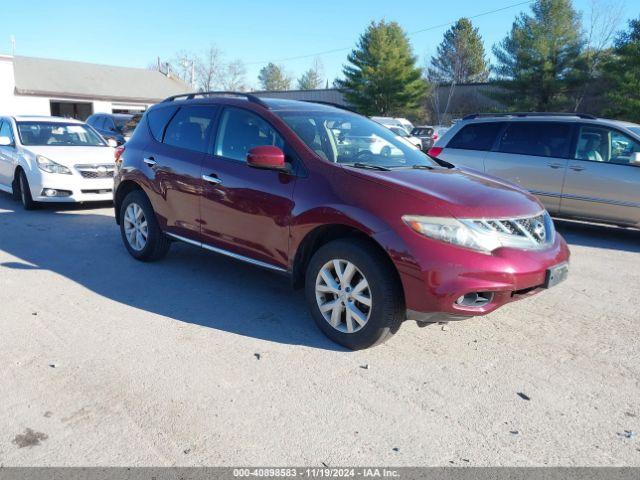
pixel 331 104
pixel 191 96
pixel 529 114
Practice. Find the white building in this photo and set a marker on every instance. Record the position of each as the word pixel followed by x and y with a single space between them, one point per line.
pixel 40 86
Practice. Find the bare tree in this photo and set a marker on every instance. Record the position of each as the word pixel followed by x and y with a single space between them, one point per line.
pixel 602 22
pixel 208 69
pixel 233 79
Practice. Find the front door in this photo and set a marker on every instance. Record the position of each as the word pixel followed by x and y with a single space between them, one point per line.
pixel 534 156
pixel 8 155
pixel 173 162
pixel 246 210
pixel 601 182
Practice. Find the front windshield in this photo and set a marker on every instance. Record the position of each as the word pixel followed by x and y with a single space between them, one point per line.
pixel 344 137
pixel 58 134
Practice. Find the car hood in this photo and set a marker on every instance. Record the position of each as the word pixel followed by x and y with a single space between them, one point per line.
pixel 70 156
pixel 463 193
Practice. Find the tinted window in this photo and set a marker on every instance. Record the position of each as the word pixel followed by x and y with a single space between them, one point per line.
pixel 240 131
pixel 477 136
pixel 158 118
pixel 5 130
pixel 536 138
pixel 190 128
pixel 601 144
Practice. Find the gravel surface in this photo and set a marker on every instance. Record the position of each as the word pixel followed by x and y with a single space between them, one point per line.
pixel 201 360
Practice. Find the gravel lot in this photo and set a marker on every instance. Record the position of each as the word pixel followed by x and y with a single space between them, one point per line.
pixel 200 360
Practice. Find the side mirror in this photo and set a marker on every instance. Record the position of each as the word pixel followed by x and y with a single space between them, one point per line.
pixel 267 156
pixel 112 143
pixel 5 142
pixel 635 159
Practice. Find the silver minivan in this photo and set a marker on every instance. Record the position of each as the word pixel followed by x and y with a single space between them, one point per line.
pixel 579 166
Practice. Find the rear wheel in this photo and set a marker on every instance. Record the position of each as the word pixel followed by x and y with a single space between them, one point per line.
pixel 139 228
pixel 24 192
pixel 353 293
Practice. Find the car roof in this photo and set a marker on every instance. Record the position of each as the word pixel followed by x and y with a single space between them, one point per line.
pixel 577 118
pixel 43 118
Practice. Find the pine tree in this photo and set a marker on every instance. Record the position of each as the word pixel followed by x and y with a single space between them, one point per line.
pixel 623 75
pixel 273 77
pixel 538 60
pixel 461 56
pixel 313 78
pixel 381 77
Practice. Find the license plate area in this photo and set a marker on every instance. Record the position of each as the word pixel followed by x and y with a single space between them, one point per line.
pixel 556 274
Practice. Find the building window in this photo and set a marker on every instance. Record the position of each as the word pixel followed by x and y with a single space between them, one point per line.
pixel 77 110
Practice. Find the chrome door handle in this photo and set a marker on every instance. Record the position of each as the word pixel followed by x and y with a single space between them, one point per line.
pixel 576 168
pixel 150 161
pixel 555 165
pixel 212 179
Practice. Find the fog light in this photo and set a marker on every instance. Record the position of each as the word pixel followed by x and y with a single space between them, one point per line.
pixel 474 299
pixel 52 192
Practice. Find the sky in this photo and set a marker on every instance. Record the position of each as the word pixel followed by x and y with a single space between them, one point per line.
pixel 134 33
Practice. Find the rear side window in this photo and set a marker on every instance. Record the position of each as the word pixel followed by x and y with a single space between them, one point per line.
pixel 477 136
pixel 536 138
pixel 191 128
pixel 158 119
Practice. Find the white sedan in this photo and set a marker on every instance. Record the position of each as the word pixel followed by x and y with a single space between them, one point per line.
pixel 50 159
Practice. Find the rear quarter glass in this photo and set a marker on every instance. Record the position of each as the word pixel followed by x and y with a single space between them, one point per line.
pixel 158 118
pixel 476 136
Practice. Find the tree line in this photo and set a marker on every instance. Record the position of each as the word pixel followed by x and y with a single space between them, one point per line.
pixel 552 59
pixel 549 61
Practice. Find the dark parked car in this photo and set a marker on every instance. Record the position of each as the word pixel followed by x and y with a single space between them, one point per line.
pixel 374 239
pixel 118 126
pixel 424 133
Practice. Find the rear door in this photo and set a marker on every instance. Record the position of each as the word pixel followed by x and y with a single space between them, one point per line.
pixel 469 147
pixel 533 155
pixel 601 182
pixel 173 161
pixel 247 210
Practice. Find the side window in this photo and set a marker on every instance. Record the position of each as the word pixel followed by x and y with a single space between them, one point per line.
pixel 108 124
pixel 622 148
pixel 157 120
pixel 477 136
pixel 190 128
pixel 5 130
pixel 240 131
pixel 536 138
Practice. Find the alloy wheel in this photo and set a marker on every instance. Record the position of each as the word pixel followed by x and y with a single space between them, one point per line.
pixel 343 295
pixel 136 228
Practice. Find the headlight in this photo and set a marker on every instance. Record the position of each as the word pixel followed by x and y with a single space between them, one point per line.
pixel 452 231
pixel 485 235
pixel 50 166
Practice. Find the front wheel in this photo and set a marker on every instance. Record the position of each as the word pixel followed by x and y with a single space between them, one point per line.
pixel 354 294
pixel 25 192
pixel 139 228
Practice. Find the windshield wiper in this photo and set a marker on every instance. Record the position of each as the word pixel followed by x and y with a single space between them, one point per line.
pixel 370 166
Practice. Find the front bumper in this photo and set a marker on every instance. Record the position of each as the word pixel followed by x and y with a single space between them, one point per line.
pixel 436 274
pixel 82 189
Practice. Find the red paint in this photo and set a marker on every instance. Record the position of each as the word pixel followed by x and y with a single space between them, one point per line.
pixel 434 151
pixel 267 214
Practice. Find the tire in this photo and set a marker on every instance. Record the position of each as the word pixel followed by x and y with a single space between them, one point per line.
pixel 24 192
pixel 156 244
pixel 384 293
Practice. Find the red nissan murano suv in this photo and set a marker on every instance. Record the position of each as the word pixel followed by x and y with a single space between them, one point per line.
pixel 374 230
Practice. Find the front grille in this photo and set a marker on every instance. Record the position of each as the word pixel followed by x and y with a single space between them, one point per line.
pixel 96 171
pixel 535 231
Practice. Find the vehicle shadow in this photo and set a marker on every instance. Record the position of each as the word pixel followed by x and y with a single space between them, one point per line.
pixel 599 236
pixel 190 285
